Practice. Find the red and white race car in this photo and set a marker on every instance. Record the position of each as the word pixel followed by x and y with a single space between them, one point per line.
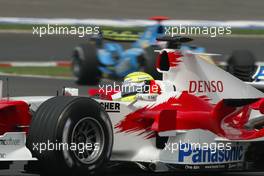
pixel 199 118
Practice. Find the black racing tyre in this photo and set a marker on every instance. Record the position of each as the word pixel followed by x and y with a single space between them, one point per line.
pixel 85 64
pixel 5 164
pixel 242 64
pixel 148 61
pixel 82 129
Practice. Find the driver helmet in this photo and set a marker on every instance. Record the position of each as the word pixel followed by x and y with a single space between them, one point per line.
pixel 134 83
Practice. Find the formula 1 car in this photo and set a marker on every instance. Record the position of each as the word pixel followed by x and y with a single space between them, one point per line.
pixel 97 59
pixel 198 117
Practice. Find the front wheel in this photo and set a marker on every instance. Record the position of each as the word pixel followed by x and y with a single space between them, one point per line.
pixel 78 132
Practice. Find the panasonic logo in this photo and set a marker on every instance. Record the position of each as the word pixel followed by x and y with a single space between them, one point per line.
pixel 235 153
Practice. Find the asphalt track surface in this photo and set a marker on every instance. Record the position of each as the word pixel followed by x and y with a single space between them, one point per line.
pixel 141 9
pixel 28 47
pixel 28 86
pixel 17 169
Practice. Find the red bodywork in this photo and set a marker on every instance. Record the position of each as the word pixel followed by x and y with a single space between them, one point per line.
pixel 102 93
pixel 14 116
pixel 189 112
pixel 159 18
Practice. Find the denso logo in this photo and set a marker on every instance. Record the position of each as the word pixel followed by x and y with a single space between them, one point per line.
pixel 206 86
pixel 235 153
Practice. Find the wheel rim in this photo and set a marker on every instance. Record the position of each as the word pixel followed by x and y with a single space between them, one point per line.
pixel 76 67
pixel 88 131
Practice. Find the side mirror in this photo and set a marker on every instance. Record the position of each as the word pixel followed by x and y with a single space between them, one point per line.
pixel 68 91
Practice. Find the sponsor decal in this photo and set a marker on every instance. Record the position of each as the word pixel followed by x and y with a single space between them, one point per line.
pixel 218 166
pixel 205 167
pixel 233 154
pixel 192 167
pixel 111 106
pixel 10 141
pixel 235 165
pixel 206 86
pixel 231 166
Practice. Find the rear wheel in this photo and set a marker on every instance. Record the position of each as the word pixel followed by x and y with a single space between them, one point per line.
pixel 78 132
pixel 85 64
pixel 242 64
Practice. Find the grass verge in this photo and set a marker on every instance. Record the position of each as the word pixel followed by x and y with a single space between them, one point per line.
pixel 43 71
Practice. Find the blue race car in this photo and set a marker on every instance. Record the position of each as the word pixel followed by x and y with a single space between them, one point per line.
pixel 97 59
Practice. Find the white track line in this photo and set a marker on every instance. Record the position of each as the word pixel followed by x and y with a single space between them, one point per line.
pixel 37 76
pixel 129 22
pixel 18 31
pixel 35 64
